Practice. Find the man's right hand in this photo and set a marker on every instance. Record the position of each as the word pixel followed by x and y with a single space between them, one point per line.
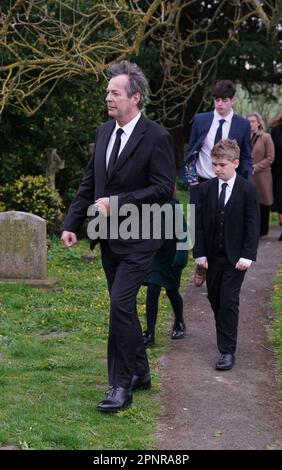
pixel 69 238
pixel 203 262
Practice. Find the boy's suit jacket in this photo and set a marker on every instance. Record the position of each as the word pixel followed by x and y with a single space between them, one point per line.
pixel 241 220
pixel 144 174
pixel 239 130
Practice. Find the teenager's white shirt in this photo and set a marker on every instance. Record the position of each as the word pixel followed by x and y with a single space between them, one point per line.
pixel 204 163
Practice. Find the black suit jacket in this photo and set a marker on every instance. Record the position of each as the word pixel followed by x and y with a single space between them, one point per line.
pixel 241 220
pixel 144 174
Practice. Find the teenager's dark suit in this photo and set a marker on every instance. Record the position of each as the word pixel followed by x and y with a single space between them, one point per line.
pixel 241 237
pixel 239 130
pixel 144 173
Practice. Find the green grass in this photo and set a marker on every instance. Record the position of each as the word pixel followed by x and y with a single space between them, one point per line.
pixel 273 218
pixel 276 329
pixel 53 369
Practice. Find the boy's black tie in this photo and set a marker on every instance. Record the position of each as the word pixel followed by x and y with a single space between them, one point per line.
pixel 221 198
pixel 114 153
pixel 218 135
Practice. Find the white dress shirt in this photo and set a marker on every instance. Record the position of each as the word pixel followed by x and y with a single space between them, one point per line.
pixel 127 131
pixel 204 163
pixel 229 187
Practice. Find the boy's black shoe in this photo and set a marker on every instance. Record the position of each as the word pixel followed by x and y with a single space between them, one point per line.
pixel 148 339
pixel 225 362
pixel 179 330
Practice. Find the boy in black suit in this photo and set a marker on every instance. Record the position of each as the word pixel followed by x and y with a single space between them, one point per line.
pixel 208 129
pixel 227 236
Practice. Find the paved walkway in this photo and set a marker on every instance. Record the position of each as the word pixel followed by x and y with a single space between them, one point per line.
pixel 237 409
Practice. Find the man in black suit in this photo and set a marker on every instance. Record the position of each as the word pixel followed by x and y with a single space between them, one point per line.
pixel 132 160
pixel 227 236
pixel 207 129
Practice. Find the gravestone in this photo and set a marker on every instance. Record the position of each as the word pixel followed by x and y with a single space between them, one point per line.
pixel 90 149
pixel 53 163
pixel 23 249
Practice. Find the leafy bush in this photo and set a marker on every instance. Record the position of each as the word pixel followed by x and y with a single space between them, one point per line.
pixel 67 121
pixel 35 195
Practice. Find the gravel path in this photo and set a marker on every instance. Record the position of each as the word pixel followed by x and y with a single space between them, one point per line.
pixel 237 409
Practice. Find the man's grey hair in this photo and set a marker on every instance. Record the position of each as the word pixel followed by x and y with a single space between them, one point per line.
pixel 136 77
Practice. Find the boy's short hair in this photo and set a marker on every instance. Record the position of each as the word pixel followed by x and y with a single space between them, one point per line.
pixel 224 89
pixel 226 148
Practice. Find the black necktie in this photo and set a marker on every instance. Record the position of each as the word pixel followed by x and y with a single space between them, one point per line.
pixel 221 198
pixel 218 135
pixel 114 153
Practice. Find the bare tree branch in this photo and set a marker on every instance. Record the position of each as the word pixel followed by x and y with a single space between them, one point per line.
pixel 190 49
pixel 43 43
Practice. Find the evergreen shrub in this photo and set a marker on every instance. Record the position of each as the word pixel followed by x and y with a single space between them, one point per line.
pixel 35 195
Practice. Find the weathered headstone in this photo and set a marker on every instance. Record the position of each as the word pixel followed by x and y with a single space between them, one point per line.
pixel 53 163
pixel 23 249
pixel 90 149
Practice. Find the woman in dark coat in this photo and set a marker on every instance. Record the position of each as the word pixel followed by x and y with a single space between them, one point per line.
pixel 166 272
pixel 276 134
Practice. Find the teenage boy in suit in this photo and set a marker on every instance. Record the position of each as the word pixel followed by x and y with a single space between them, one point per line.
pixel 207 129
pixel 227 236
pixel 133 160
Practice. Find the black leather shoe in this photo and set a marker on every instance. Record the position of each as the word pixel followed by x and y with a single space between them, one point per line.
pixel 148 339
pixel 225 362
pixel 141 382
pixel 179 330
pixel 117 399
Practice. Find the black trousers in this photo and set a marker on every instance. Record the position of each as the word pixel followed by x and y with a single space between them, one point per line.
pixel 264 219
pixel 152 300
pixel 126 353
pixel 224 283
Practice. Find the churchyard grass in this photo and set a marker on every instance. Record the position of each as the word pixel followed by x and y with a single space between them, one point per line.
pixel 273 218
pixel 276 327
pixel 53 368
